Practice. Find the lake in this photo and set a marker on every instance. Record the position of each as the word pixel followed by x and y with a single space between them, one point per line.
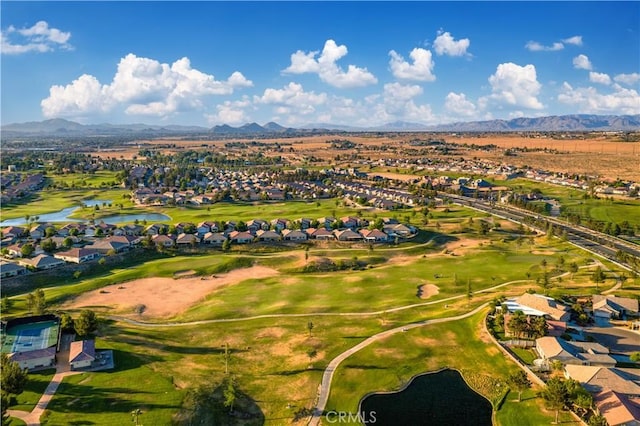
pixel 432 399
pixel 63 216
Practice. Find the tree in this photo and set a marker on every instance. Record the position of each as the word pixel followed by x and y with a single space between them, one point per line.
pixel 27 250
pixel 7 304
pixel 40 304
pixel 66 322
pixel 519 382
pixel 539 327
pixel 4 403
pixel 597 420
pixel 309 327
pixel 31 302
pixel 14 378
pixel 635 356
pixel 469 292
pixel 555 395
pixel 518 323
pixel 226 245
pixel 49 245
pixel 86 323
pixel 573 268
pixel 598 276
pixel 134 416
pixel 230 394
pixel 312 353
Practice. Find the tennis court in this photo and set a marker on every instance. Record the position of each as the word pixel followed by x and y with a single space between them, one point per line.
pixel 30 337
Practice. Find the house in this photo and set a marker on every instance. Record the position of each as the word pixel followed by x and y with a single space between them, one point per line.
pixel 108 244
pixel 82 354
pixel 319 234
pixel 13 232
pixel 347 235
pixel 240 237
pixel 78 255
pixel 279 224
pixel 204 227
pixel 581 353
pixel 42 262
pixel 254 225
pixel 156 229
pixel 271 236
pixel 350 222
pixel 35 360
pixel 305 223
pixel 538 305
pixel 607 307
pixel 374 235
pixel 214 238
pixel 616 391
pixel 10 269
pixel 293 235
pixel 326 222
pixel 398 230
pixel 162 240
pixel 184 239
pixel 597 379
pixel 617 408
pixel 131 229
pixel 38 231
pixel 15 250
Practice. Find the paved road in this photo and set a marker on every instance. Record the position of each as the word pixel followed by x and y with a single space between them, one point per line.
pixel 596 242
pixel 325 386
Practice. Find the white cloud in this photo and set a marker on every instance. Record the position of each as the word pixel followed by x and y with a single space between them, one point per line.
pixel 627 79
pixel 514 85
pixel 582 62
pixel 84 95
pixel 534 46
pixel 420 70
pixel 230 112
pixel 575 40
pixel 589 100
pixel 458 104
pixel 292 95
pixel 327 69
pixel 445 44
pixel 141 86
pixel 38 38
pixel 598 77
pixel 399 103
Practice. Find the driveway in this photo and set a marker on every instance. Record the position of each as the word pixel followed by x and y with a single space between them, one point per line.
pixel 618 340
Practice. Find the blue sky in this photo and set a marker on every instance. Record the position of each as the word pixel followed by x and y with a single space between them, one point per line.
pixel 355 63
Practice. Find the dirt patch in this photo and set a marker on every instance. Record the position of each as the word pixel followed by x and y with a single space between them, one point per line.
pixel 184 274
pixel 543 252
pixel 164 297
pixel 463 246
pixel 425 291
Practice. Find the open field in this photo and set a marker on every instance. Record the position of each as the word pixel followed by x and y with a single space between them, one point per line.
pixel 277 362
pixel 162 297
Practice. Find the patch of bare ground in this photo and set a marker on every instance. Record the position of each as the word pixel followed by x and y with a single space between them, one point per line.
pixel 271 332
pixel 463 246
pixel 425 291
pixel 164 297
pixel 543 252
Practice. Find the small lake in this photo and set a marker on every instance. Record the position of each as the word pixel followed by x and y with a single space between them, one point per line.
pixel 432 399
pixel 63 216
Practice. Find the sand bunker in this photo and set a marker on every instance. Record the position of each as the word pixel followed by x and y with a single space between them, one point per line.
pixel 425 291
pixel 163 297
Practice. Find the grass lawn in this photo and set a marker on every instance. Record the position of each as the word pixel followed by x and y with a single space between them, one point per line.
pixel 390 363
pixel 36 384
pixel 109 397
pixel 526 355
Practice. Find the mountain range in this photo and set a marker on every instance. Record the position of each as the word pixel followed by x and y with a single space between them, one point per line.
pixel 61 127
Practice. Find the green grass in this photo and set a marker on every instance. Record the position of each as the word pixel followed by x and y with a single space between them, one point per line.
pixel 526 355
pixel 572 202
pixel 390 363
pixel 36 384
pixel 100 178
pixel 108 397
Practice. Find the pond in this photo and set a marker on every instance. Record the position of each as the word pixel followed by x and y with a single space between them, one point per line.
pixel 63 216
pixel 441 398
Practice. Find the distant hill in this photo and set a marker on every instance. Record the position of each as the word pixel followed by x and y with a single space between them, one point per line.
pixel 61 127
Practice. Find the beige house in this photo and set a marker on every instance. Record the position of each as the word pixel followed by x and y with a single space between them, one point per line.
pixel 82 354
pixel 580 353
pixel 33 360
